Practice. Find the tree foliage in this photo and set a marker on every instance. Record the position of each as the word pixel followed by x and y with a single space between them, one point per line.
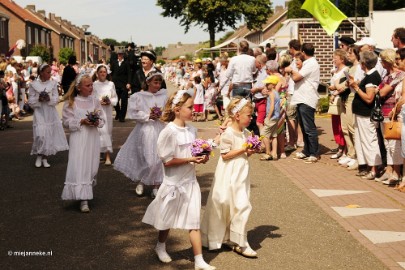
pixel 111 41
pixel 159 50
pixel 216 15
pixel 65 54
pixel 346 6
pixel 42 51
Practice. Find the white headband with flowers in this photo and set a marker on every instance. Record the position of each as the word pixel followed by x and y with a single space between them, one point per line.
pixel 79 78
pixel 178 97
pixel 239 106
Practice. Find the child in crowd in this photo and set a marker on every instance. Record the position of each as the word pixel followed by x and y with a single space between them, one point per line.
pixel 228 207
pixel 269 131
pixel 178 202
pixel 138 158
pixel 198 98
pixel 104 90
pixel 84 140
pixel 210 98
pixel 49 136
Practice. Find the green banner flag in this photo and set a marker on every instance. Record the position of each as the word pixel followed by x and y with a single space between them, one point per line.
pixel 328 15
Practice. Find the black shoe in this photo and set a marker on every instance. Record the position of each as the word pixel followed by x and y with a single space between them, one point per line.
pixel 116 117
pixel 122 120
pixel 334 150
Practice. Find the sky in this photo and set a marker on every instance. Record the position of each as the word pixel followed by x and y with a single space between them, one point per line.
pixel 125 20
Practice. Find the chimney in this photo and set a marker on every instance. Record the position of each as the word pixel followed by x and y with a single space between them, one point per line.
pixel 42 12
pixel 32 7
pixel 52 16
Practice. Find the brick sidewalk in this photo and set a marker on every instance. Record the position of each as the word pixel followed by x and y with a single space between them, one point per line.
pixel 374 215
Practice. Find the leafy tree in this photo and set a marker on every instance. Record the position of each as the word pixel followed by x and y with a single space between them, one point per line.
pixel 159 50
pixel 216 15
pixel 346 6
pixel 65 54
pixel 42 51
pixel 111 41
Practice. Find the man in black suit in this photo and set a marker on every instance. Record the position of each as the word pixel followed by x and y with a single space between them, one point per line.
pixel 121 76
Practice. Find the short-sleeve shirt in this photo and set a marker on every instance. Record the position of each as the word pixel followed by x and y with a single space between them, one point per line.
pixel 359 106
pixel 306 89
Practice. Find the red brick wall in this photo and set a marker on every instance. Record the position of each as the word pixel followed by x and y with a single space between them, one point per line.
pixel 312 32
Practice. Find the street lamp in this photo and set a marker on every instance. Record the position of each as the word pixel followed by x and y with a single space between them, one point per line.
pixel 85 27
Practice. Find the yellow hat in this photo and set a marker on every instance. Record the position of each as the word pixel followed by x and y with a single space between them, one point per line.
pixel 273 79
pixel 198 60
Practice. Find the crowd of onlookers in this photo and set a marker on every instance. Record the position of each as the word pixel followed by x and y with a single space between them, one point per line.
pixel 286 117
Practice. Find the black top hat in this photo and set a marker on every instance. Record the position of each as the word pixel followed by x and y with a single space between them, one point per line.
pixel 347 40
pixel 150 54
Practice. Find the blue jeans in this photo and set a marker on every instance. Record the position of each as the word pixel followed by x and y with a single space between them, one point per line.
pixel 306 120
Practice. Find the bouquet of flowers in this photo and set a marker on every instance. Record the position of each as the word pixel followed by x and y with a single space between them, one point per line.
pixel 106 99
pixel 156 111
pixel 253 142
pixel 44 96
pixel 200 147
pixel 93 116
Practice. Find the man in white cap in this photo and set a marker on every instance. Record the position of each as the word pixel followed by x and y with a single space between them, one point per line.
pixel 368 44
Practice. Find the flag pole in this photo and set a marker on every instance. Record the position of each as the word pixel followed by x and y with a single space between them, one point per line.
pixel 358 28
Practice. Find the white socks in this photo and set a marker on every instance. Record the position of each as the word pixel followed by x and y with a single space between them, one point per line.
pixel 200 263
pixel 160 250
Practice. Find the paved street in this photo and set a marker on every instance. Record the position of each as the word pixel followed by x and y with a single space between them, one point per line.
pixel 292 226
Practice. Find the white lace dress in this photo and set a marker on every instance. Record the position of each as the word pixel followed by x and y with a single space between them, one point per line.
pixel 138 158
pixel 102 89
pixel 228 205
pixel 84 153
pixel 49 136
pixel 178 202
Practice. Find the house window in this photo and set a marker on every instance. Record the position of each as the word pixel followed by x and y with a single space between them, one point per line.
pixel 2 28
pixel 36 38
pixel 29 39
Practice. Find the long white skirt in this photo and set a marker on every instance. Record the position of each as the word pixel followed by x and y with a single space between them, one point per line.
pixel 138 159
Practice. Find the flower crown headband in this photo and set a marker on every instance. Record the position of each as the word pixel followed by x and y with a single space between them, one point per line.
pixel 79 78
pixel 151 75
pixel 178 97
pixel 239 106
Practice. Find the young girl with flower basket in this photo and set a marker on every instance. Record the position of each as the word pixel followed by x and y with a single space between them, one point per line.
pixel 104 90
pixel 49 136
pixel 82 115
pixel 228 207
pixel 178 201
pixel 138 158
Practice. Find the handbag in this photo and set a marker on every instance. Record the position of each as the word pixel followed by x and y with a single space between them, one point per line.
pixel 376 113
pixel 392 129
pixel 335 108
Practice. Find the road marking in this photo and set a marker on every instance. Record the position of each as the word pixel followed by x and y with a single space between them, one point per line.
pixel 379 237
pixel 335 192
pixel 352 212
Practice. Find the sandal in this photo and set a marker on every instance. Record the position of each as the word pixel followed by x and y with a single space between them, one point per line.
pixel 245 252
pixel 266 157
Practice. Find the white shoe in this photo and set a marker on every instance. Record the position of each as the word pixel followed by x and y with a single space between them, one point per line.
pixel 139 189
pixel 84 207
pixel 38 162
pixel 45 163
pixel 163 256
pixel 351 162
pixel 344 161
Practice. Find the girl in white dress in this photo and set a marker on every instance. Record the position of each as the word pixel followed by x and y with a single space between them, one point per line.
pixel 84 141
pixel 178 202
pixel 228 206
pixel 138 159
pixel 104 90
pixel 49 136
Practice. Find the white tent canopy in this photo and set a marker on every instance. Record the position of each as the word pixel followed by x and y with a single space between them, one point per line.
pixel 231 45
